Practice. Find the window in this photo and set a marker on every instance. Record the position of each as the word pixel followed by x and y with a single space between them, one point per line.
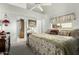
pixel 64 21
pixel 65 25
pixel 64 18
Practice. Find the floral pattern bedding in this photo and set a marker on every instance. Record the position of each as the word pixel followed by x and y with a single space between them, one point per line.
pixel 46 44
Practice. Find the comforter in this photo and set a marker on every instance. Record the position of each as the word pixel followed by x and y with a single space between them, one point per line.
pixel 46 44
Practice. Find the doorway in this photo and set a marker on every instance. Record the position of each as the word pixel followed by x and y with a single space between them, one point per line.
pixel 21 28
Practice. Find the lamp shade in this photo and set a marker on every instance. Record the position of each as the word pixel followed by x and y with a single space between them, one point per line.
pixel 6 22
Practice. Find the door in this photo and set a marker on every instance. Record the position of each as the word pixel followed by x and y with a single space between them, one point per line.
pixel 21 28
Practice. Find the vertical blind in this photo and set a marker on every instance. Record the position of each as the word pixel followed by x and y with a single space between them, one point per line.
pixel 64 18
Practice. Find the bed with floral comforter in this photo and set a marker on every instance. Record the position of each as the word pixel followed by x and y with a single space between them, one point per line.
pixel 46 44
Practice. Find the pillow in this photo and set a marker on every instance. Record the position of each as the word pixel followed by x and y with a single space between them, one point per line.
pixel 55 32
pixel 65 33
pixel 75 33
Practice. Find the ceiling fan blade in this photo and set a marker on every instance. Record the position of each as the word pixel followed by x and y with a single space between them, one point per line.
pixel 40 8
pixel 33 7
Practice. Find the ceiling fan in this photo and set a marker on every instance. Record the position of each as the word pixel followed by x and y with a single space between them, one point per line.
pixel 39 6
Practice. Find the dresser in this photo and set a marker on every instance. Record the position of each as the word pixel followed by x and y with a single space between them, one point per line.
pixel 5 43
pixel 2 45
pixel 2 42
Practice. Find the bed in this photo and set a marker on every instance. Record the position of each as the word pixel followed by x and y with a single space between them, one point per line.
pixel 46 44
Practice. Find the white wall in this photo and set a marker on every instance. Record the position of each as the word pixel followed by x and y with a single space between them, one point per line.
pixel 42 25
pixel 59 9
pixel 15 13
pixel 12 26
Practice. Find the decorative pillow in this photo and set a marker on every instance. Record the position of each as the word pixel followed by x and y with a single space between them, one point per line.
pixel 75 33
pixel 65 32
pixel 55 32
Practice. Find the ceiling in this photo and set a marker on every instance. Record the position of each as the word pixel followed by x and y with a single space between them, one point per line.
pixel 31 5
pixel 22 5
pixel 49 9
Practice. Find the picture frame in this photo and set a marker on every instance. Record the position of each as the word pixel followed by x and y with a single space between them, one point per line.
pixel 31 23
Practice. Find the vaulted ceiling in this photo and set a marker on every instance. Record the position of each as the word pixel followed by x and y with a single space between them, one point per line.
pixel 49 9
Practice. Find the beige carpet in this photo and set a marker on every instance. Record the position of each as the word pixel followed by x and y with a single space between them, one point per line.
pixel 20 48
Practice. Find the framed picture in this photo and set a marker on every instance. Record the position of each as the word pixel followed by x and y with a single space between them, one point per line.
pixel 31 23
